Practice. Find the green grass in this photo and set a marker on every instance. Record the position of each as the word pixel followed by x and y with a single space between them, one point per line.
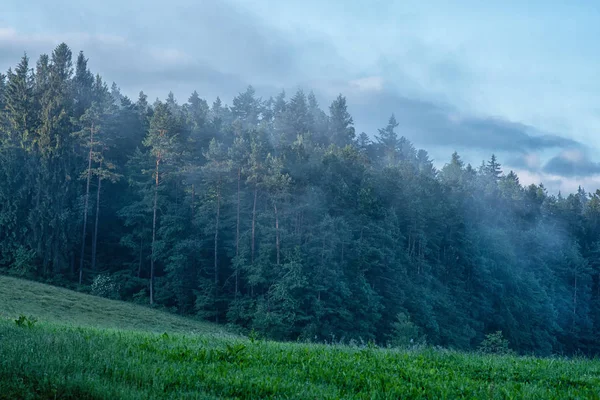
pixel 63 306
pixel 55 360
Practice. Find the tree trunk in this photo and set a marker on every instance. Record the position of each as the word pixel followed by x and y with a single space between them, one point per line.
pixel 193 196
pixel 72 264
pixel 276 231
pixel 254 220
pixel 575 299
pixel 237 234
pixel 85 206
pixel 216 249
pixel 154 235
pixel 139 274
pixel 95 237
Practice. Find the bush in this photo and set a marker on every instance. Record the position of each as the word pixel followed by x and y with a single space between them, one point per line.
pixel 495 343
pixel 24 262
pixel 405 333
pixel 105 285
pixel 24 321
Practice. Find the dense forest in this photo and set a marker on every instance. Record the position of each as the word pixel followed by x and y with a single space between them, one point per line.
pixel 274 215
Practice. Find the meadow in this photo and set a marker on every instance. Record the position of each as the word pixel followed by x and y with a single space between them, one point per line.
pixel 56 343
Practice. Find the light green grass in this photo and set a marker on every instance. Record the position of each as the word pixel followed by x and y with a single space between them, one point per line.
pixel 50 360
pixel 58 305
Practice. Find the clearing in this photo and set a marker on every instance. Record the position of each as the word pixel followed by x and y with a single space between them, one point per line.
pixel 86 347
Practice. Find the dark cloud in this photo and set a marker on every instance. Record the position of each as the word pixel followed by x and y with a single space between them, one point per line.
pixel 210 46
pixel 572 164
pixel 527 162
pixel 217 48
pixel 430 124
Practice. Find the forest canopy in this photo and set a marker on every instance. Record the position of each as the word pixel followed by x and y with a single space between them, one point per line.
pixel 275 215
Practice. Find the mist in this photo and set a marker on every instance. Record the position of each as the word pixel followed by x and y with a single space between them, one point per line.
pixel 274 213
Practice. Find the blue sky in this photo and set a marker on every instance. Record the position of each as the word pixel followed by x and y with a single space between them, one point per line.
pixel 519 79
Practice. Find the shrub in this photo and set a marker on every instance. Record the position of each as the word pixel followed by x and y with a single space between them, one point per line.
pixel 405 333
pixel 105 285
pixel 24 262
pixel 24 321
pixel 495 343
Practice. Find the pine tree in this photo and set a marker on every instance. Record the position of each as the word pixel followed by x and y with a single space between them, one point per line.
pixel 83 83
pixel 340 123
pixel 161 143
pixel 493 168
pixel 215 175
pixel 238 159
pixel 388 142
pixel 277 184
pixel 246 108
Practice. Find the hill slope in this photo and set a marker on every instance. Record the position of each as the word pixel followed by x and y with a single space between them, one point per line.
pixel 58 305
pixel 59 359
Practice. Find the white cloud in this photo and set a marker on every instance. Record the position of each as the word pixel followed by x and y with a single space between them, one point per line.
pixel 573 155
pixel 368 84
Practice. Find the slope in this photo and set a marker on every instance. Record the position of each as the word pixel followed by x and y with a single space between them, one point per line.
pixel 58 305
pixel 86 347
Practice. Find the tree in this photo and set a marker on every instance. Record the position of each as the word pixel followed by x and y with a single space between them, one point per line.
pixel 277 184
pixel 294 118
pixel 104 171
pixel 161 143
pixel 139 209
pixel 493 168
pixel 90 121
pixel 256 171
pixel 83 83
pixel 238 155
pixel 320 126
pixel 340 123
pixel 18 103
pixel 246 108
pixel 215 174
pixel 388 142
pixel 272 214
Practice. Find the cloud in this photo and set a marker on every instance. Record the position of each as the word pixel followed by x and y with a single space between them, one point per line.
pixel 436 124
pixel 528 161
pixel 214 47
pixel 439 76
pixel 153 69
pixel 572 163
pixel 555 183
pixel 371 83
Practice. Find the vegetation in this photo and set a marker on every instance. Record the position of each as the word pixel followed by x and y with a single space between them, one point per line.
pixel 29 302
pixel 55 359
pixel 274 215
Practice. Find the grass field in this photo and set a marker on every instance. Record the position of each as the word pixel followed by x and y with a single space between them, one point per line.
pixel 92 351
pixel 58 305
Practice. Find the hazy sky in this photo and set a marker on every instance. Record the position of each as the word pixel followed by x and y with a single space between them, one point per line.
pixel 515 78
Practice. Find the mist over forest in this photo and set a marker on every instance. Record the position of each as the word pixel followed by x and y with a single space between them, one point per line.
pixel 275 215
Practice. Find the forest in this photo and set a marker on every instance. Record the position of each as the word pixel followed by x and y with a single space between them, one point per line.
pixel 275 215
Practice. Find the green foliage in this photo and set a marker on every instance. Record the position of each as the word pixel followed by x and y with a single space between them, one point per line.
pixel 61 306
pixel 405 333
pixel 105 285
pixel 272 215
pixel 24 263
pixel 495 343
pixel 24 321
pixel 113 364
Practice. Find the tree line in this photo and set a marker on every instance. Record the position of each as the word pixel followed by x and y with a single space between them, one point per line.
pixel 274 215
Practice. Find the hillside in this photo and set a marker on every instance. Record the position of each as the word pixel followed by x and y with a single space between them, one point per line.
pixel 274 212
pixel 71 354
pixel 66 307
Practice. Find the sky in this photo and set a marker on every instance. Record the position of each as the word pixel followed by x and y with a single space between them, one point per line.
pixel 517 79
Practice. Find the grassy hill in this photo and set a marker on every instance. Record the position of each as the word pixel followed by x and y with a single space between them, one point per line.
pixel 57 305
pixel 88 347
